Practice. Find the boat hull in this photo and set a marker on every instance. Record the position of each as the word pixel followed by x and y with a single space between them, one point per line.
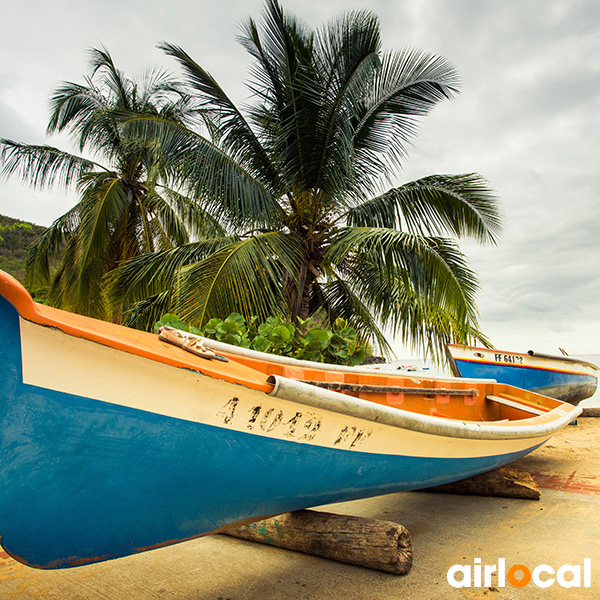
pixel 556 377
pixel 106 451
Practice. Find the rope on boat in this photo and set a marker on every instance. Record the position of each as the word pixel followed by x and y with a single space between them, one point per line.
pixel 188 342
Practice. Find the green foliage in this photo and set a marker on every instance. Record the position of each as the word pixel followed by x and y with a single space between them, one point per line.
pixel 336 346
pixel 126 206
pixel 15 237
pixel 15 226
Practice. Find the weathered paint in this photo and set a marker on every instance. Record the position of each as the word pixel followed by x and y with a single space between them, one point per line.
pixel 78 367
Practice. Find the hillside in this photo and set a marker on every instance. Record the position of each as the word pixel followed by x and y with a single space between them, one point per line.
pixel 13 245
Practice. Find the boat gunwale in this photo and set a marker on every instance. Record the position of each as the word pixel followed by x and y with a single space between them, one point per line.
pixel 532 367
pixel 16 294
pixel 535 427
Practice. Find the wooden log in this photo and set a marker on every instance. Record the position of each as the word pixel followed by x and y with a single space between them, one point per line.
pixel 505 482
pixel 380 545
pixel 593 411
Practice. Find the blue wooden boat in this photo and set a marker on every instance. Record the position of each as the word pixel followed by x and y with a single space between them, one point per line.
pixel 563 377
pixel 113 442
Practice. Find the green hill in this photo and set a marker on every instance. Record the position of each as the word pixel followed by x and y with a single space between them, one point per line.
pixel 13 244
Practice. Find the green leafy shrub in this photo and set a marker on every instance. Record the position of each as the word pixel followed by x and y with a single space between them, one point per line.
pixel 337 346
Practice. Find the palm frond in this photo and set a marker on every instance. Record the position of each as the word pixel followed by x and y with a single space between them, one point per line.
pixel 463 205
pixel 198 221
pixel 285 80
pixel 347 56
pixel 206 172
pixel 338 298
pixel 150 275
pixel 75 289
pixel 279 49
pixel 235 134
pixel 243 277
pixel 104 200
pixel 112 78
pixel 166 222
pixel 48 246
pixel 42 166
pixel 407 86
pixel 73 105
pixel 83 110
pixel 145 313
pixel 411 312
pixel 427 327
pixel 433 267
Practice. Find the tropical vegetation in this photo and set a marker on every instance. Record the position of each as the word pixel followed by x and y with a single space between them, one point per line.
pixel 125 207
pixel 299 184
pixel 15 237
pixel 310 341
pixel 285 210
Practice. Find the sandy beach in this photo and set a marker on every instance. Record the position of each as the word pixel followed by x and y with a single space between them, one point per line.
pixel 561 528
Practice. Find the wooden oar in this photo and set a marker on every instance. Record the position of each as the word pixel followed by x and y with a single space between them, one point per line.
pixel 391 389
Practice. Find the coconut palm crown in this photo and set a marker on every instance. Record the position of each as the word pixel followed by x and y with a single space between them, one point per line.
pixel 125 208
pixel 298 182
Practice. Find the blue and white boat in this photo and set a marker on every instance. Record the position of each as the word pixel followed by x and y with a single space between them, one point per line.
pixel 563 377
pixel 113 442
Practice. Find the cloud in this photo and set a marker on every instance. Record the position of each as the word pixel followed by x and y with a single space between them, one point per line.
pixel 527 118
pixel 12 124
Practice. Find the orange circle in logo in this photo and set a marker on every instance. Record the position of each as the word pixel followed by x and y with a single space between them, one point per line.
pixel 518 583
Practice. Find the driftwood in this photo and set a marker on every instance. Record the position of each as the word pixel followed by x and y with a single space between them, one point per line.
pixel 505 482
pixel 591 412
pixel 380 545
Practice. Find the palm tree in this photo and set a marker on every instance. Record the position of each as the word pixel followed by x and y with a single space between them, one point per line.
pixel 124 208
pixel 299 185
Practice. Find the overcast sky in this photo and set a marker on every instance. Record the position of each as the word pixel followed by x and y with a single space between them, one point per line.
pixel 527 119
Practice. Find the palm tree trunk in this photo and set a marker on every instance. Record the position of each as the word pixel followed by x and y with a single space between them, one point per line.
pixel 299 303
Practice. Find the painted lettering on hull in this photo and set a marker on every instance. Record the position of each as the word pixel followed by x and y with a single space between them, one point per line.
pixel 509 359
pixel 301 426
